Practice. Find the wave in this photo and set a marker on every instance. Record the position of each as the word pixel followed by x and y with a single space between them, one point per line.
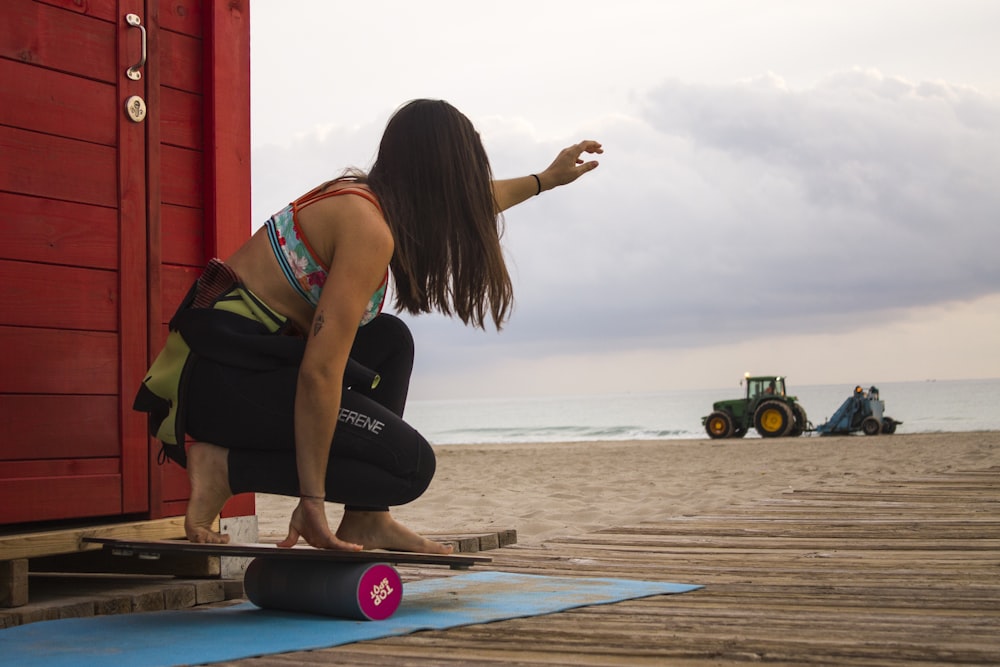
pixel 505 434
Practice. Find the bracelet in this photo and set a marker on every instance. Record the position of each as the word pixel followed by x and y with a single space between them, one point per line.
pixel 323 498
pixel 538 181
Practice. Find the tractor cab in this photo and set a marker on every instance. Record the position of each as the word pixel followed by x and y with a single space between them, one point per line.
pixel 763 387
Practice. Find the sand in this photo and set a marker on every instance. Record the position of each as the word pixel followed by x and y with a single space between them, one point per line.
pixel 546 490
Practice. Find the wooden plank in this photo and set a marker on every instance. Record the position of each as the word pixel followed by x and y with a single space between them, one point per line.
pixel 34 543
pixel 180 61
pixel 302 552
pixel 49 498
pixel 170 508
pixel 181 118
pixel 175 483
pixel 175 283
pixel 66 467
pixel 56 103
pixel 870 542
pixel 48 427
pixel 101 9
pixel 104 562
pixel 746 525
pixel 49 361
pixel 183 177
pixel 53 38
pixel 903 586
pixel 227 132
pixel 13 583
pixel 183 240
pixel 57 168
pixel 131 182
pixel 183 16
pixel 45 295
pixel 153 254
pixel 55 232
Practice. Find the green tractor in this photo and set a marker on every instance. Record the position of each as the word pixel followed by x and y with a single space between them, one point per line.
pixel 765 407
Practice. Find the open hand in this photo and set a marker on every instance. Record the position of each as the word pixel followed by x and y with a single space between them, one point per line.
pixel 569 166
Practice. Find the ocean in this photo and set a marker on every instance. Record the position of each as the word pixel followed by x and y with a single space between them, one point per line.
pixel 923 407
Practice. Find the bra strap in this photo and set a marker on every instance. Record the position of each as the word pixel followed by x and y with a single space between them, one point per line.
pixel 315 196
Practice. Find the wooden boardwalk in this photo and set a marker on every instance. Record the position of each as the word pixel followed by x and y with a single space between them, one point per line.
pixel 902 573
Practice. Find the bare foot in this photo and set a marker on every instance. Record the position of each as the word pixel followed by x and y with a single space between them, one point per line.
pixel 208 471
pixel 378 530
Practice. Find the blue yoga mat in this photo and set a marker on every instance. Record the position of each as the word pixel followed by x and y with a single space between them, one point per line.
pixel 208 635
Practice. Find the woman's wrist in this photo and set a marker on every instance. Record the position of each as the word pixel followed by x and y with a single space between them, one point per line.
pixel 306 496
pixel 538 184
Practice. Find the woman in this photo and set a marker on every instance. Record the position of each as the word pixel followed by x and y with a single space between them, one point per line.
pixel 293 415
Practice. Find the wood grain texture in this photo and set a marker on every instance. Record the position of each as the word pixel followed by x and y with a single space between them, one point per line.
pixel 50 361
pixel 57 168
pixel 898 573
pixel 50 37
pixel 58 297
pixel 55 232
pixel 58 426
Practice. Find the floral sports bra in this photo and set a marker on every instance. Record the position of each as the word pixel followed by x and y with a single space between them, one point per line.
pixel 305 272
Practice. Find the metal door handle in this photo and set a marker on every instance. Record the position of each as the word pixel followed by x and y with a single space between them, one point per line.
pixel 133 71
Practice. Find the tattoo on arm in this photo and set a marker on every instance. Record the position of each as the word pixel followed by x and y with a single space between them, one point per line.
pixel 318 323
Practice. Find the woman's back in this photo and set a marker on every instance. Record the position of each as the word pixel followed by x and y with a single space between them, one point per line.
pixel 323 220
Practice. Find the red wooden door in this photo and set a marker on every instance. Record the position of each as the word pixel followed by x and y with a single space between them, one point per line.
pixel 72 261
pixel 105 221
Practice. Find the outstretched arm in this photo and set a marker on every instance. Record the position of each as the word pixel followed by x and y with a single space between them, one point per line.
pixel 566 168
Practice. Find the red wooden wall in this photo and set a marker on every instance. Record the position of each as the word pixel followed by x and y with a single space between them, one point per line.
pixel 104 222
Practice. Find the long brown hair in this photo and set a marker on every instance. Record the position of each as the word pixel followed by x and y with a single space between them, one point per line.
pixel 435 185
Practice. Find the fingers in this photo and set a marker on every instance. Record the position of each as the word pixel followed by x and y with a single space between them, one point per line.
pixel 575 151
pixel 327 541
pixel 588 146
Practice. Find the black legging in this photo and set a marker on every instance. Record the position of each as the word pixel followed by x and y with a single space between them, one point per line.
pixel 376 460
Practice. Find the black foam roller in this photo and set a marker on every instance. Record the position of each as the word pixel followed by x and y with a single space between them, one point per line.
pixel 361 591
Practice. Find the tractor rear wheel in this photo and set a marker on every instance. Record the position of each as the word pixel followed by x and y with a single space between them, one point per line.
pixel 719 425
pixel 870 426
pixel 773 419
pixel 800 421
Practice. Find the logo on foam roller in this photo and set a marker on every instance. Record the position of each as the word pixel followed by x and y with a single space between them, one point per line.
pixel 381 591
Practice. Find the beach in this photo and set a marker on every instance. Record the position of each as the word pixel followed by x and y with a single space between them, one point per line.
pixel 547 490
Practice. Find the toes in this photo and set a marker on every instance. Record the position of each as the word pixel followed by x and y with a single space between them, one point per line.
pixel 438 548
pixel 205 536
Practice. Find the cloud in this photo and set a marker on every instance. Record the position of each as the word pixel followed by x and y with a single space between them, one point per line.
pixel 887 178
pixel 723 214
pixel 726 210
pixel 283 172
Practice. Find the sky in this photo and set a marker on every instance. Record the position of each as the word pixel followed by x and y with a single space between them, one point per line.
pixel 809 189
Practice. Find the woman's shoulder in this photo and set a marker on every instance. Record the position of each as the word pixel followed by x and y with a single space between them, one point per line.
pixel 348 213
